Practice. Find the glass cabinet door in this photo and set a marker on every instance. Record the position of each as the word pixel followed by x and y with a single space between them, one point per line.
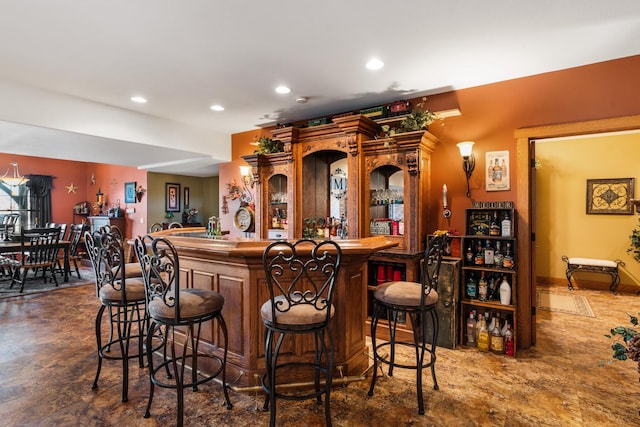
pixel 386 201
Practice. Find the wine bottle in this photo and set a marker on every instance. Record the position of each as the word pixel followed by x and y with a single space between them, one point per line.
pixel 471 330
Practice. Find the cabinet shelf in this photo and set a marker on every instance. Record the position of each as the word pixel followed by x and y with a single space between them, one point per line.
pixel 490 269
pixel 488 304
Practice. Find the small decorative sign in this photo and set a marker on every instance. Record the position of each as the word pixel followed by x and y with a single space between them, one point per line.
pixel 610 196
pixel 497 171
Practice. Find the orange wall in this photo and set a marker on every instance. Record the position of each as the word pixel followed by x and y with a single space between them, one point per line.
pixel 109 178
pixel 491 114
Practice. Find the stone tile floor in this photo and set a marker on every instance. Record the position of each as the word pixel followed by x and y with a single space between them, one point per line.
pixel 48 361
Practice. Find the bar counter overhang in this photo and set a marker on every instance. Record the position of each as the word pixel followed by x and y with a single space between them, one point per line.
pixel 234 269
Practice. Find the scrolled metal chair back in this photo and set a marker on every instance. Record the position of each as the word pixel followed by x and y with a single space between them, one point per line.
pixel 107 258
pixel 302 272
pixel 160 270
pixel 430 264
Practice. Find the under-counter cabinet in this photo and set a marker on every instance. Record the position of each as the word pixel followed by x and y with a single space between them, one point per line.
pixel 489 274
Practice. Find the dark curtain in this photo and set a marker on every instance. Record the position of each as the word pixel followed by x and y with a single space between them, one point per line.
pixel 40 199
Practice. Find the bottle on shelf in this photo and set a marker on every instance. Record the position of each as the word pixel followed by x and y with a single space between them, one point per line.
pixel 505 292
pixel 478 323
pixel 509 347
pixel 471 330
pixel 507 262
pixel 488 253
pixel 494 227
pixel 469 256
pixel 482 287
pixel 492 293
pixel 506 225
pixel 483 336
pixel 498 256
pixel 492 324
pixel 472 287
pixel 479 259
pixel 497 340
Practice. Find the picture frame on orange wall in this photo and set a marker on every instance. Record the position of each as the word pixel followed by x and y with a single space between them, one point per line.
pixel 497 176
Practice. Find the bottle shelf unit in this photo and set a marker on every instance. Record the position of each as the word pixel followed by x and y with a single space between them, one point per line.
pixel 476 263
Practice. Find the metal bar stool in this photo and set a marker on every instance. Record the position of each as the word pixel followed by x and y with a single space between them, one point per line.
pixel 123 299
pixel 171 307
pixel 418 302
pixel 301 278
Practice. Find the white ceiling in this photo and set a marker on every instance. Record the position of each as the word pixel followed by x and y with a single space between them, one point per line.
pixel 79 62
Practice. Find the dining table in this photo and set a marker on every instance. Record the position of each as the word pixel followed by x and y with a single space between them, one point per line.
pixel 15 246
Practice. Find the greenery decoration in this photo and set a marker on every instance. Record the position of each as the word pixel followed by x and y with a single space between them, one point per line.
pixel 634 247
pixel 267 145
pixel 627 345
pixel 418 119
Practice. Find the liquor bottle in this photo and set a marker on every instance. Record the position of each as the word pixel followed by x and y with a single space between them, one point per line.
pixel 509 345
pixel 482 288
pixel 327 228
pixel 491 324
pixel 488 253
pixel 483 337
pixel 507 262
pixel 478 323
pixel 497 340
pixel 469 255
pixel 492 293
pixel 472 287
pixel 494 228
pixel 506 225
pixel 479 259
pixel 471 330
pixel 498 257
pixel 505 292
pixel 274 219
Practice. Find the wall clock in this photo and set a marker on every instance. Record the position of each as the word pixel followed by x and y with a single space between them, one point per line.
pixel 244 219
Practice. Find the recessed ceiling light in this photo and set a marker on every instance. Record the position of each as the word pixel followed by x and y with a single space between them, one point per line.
pixel 139 99
pixel 283 89
pixel 374 64
pixel 217 107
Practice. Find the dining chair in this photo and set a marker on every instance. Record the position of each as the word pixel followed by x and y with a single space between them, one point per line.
pixel 76 250
pixel 300 279
pixel 181 311
pixel 38 252
pixel 417 301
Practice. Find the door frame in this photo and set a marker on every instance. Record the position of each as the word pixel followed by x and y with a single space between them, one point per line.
pixel 525 201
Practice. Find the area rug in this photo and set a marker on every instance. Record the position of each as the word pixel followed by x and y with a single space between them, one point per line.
pixel 35 286
pixel 564 303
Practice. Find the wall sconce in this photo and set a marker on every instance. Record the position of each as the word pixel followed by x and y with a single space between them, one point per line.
pixel 247 182
pixel 139 193
pixel 468 160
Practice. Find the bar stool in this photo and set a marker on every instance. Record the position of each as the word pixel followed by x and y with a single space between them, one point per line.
pixel 418 302
pixel 173 308
pixel 125 300
pixel 301 278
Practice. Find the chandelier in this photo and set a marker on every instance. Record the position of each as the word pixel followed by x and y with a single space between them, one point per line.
pixel 15 179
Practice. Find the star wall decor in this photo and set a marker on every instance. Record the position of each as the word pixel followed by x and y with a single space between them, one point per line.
pixel 71 188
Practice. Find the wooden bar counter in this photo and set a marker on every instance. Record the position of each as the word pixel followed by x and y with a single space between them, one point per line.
pixel 234 269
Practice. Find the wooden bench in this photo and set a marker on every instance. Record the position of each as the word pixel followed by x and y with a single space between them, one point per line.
pixel 591 265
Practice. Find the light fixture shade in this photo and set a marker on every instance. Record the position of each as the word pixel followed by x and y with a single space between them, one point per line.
pixel 15 179
pixel 245 170
pixel 466 148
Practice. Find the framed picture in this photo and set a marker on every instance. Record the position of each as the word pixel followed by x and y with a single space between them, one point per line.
pixel 610 196
pixel 185 200
pixel 129 192
pixel 172 197
pixel 497 166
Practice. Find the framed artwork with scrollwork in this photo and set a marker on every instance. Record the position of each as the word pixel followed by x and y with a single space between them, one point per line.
pixel 610 196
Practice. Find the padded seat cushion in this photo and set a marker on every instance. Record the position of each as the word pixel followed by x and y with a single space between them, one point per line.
pixel 300 314
pixel 593 262
pixel 131 269
pixel 193 303
pixel 8 262
pixel 134 289
pixel 404 294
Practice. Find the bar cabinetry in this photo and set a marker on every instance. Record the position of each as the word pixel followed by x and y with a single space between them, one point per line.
pixel 488 260
pixel 101 220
